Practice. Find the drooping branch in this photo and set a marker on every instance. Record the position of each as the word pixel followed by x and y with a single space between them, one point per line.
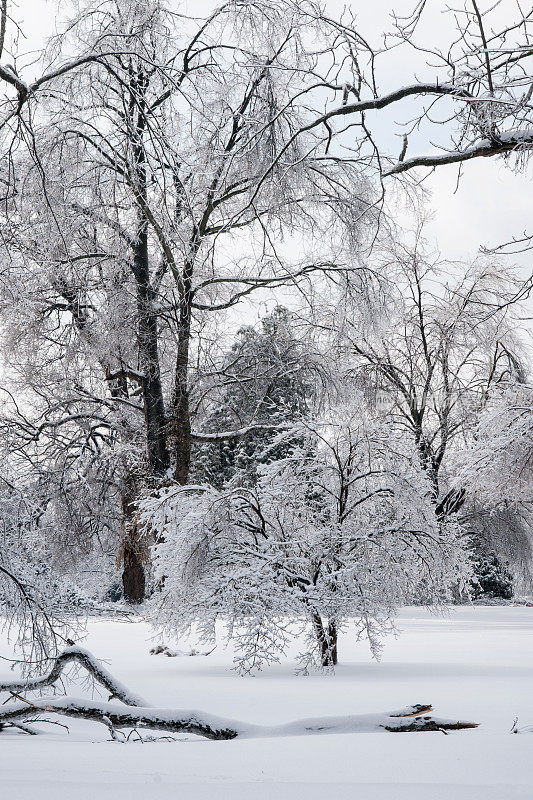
pixel 85 659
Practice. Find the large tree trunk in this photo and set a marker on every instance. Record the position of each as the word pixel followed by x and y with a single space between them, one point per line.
pixel 154 407
pixel 133 574
pixel 133 551
pixel 327 641
pixel 133 578
pixel 181 417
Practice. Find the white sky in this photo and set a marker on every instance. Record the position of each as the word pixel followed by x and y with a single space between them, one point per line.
pixel 491 204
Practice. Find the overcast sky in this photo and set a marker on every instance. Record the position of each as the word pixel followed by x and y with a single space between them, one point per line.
pixel 491 203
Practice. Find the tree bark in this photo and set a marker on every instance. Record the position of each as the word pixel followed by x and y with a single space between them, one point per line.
pixel 327 641
pixel 133 555
pixel 154 406
pixel 181 416
pixel 133 551
pixel 133 577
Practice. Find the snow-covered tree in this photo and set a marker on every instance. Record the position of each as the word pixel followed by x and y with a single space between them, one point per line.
pixel 121 224
pixel 498 465
pixel 433 346
pixel 497 470
pixel 152 177
pixel 38 604
pixel 446 340
pixel 337 533
pixel 267 378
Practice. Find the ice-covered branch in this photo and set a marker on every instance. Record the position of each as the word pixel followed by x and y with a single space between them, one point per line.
pixel 504 143
pixel 222 436
pixel 92 665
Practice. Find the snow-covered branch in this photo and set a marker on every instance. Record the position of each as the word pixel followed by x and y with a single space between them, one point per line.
pixel 222 436
pixel 83 658
pixel 210 726
pixel 136 714
pixel 512 141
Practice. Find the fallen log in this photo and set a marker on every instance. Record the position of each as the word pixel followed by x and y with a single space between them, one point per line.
pixel 135 713
pixel 213 727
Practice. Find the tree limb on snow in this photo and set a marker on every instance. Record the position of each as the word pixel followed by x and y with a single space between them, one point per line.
pixel 138 714
pixel 93 667
pixel 220 728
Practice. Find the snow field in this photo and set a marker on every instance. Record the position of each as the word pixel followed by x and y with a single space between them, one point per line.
pixel 475 664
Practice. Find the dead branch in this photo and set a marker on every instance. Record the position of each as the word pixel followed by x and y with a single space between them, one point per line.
pixel 208 726
pixel 137 714
pixel 117 717
pixel 85 659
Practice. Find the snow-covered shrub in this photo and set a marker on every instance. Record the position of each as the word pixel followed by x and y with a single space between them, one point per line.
pixel 337 533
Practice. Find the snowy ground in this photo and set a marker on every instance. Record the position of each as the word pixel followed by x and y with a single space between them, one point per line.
pixel 476 664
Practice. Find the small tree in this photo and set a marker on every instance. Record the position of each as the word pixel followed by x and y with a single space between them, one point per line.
pixel 343 527
pixel 492 577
